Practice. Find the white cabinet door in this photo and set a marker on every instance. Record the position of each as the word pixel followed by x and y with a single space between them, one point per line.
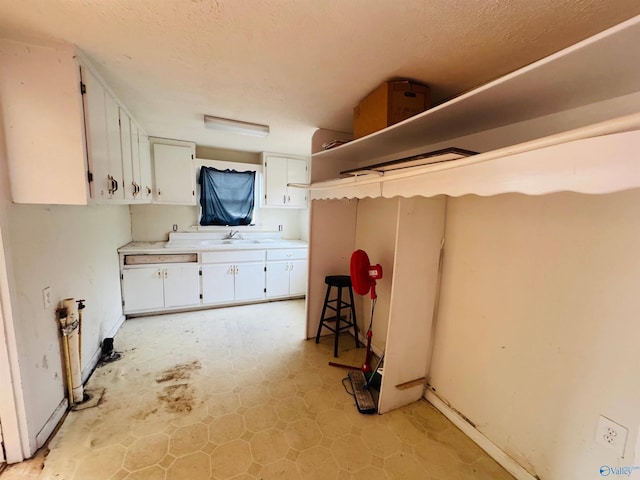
pixel 142 289
pixel 126 144
pixel 277 279
pixel 275 181
pixel 146 181
pixel 135 161
pixel 114 147
pixel 174 174
pixel 279 171
pixel 218 283
pixel 296 173
pixel 181 285
pixel 249 283
pixel 298 277
pixel 95 119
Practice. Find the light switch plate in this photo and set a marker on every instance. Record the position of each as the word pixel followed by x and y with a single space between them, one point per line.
pixel 46 297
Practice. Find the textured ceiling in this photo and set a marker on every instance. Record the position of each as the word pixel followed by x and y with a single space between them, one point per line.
pixel 297 64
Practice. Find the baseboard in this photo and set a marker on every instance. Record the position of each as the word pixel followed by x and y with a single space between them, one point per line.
pixel 95 358
pixel 51 424
pixel 374 349
pixel 116 327
pixel 509 464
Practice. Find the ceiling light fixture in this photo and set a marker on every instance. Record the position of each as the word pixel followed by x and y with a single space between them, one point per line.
pixel 236 126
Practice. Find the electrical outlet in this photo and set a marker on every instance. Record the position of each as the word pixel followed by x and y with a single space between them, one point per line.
pixel 46 297
pixel 612 435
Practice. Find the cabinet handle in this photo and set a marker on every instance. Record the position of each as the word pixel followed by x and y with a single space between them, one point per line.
pixel 166 274
pixel 149 191
pixel 288 199
pixel 284 199
pixel 159 273
pixel 135 188
pixel 291 266
pixel 231 270
pixel 237 270
pixel 159 193
pixel 110 184
pixel 115 183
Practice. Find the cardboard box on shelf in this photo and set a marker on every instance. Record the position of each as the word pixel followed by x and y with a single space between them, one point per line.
pixel 388 104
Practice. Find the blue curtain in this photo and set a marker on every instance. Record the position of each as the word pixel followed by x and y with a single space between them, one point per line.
pixel 226 196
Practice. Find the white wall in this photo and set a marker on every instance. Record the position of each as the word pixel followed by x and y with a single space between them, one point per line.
pixel 72 249
pixel 537 332
pixel 154 222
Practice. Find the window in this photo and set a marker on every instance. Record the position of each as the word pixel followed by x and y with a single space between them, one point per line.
pixel 227 197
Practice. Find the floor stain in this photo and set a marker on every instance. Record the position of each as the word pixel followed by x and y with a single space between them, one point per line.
pixel 182 371
pixel 177 398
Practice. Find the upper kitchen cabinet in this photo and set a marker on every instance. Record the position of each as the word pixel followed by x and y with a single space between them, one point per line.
pixel 43 124
pixel 280 171
pixel 173 165
pixel 136 161
pixel 102 124
pixel 119 166
pixel 146 177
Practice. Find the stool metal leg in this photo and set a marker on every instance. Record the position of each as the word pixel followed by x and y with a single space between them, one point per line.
pixel 338 307
pixel 324 310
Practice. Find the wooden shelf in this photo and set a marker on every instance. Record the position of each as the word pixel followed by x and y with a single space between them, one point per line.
pixel 597 159
pixel 599 68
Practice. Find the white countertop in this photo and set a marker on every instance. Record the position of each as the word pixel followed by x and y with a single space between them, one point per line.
pixel 209 245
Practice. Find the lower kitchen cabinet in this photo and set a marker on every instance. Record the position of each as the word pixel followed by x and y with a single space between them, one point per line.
pixel 286 273
pixel 155 280
pixel 229 282
pixel 160 286
pixel 232 276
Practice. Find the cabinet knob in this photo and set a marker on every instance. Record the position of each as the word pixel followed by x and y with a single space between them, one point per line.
pixel 159 273
pixel 166 274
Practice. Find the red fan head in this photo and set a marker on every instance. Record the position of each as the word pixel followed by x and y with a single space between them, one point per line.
pixel 363 274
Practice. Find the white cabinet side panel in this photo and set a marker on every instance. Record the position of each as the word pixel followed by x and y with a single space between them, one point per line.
pixel 420 230
pixel 43 118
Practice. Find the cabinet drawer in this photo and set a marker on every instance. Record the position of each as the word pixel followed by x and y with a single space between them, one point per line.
pixel 170 258
pixel 287 254
pixel 233 257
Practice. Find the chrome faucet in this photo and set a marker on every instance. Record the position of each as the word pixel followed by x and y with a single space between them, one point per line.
pixel 233 233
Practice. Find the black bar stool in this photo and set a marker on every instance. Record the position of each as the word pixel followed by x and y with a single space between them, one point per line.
pixel 337 304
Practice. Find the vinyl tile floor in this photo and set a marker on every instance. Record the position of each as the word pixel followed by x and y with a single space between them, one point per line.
pixel 236 393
